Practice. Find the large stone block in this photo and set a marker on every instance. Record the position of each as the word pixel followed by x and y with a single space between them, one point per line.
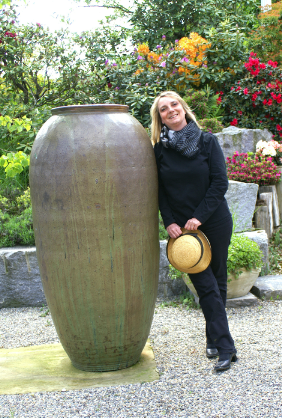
pixel 268 287
pixel 261 238
pixel 168 287
pixel 20 283
pixel 233 139
pixel 241 198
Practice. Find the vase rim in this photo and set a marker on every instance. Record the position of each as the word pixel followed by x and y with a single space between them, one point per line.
pixel 97 108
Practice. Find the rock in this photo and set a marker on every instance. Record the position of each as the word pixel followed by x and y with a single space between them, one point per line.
pixel 268 198
pixel 260 237
pixel 241 198
pixel 268 287
pixel 275 204
pixel 233 139
pixel 168 287
pixel 20 283
pixel 248 300
pixel 262 219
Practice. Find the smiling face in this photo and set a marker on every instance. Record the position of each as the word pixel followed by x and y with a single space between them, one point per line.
pixel 172 113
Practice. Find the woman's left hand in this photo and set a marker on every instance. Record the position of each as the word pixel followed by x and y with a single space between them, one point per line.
pixel 192 224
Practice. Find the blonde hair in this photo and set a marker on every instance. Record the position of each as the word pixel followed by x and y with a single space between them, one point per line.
pixel 156 124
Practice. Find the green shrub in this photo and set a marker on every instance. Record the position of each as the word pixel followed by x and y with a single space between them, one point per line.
pixel 243 253
pixel 211 125
pixel 16 226
pixel 206 107
pixel 16 230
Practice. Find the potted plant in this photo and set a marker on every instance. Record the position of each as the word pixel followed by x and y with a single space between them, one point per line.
pixel 243 266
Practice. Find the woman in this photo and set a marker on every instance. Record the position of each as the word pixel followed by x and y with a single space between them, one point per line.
pixel 192 185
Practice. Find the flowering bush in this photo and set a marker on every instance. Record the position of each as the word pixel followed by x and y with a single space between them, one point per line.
pixel 267 38
pixel 252 168
pixel 255 101
pixel 179 61
pixel 272 149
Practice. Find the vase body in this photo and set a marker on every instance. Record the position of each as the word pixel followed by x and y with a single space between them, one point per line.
pixel 236 287
pixel 93 182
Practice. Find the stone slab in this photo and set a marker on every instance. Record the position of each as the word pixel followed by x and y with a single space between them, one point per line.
pixel 233 139
pixel 241 198
pixel 47 368
pixel 275 205
pixel 263 219
pixel 167 287
pixel 261 238
pixel 248 300
pixel 20 283
pixel 279 193
pixel 268 287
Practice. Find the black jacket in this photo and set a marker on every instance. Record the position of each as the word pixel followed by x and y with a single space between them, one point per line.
pixel 192 188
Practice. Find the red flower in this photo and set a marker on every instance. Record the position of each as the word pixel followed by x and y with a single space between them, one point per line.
pixel 246 91
pixel 234 122
pixel 254 97
pixel 240 112
pixel 264 102
pixel 238 88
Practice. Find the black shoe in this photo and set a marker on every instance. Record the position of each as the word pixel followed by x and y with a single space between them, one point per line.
pixel 211 352
pixel 225 364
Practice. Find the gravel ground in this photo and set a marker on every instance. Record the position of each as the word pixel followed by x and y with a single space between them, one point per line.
pixel 187 387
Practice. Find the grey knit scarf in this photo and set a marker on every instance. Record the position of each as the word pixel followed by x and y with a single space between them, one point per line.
pixel 185 141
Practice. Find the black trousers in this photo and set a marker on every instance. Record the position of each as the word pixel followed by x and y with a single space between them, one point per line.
pixel 211 286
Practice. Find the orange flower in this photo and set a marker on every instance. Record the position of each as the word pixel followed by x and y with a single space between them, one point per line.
pixel 143 49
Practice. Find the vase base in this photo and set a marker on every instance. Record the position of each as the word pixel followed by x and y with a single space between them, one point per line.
pixel 90 367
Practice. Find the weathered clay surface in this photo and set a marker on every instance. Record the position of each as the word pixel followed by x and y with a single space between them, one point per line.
pixel 241 198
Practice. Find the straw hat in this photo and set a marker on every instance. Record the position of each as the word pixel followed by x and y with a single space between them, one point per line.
pixel 189 253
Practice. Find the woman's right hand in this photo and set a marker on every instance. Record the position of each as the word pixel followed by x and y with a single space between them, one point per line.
pixel 174 230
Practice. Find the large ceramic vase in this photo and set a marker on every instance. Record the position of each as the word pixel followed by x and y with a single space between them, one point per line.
pixel 93 182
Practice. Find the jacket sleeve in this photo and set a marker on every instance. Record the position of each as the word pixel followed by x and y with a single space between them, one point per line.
pixel 217 178
pixel 164 207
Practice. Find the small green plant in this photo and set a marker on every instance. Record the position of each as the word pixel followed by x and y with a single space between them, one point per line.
pixel 162 231
pixel 243 253
pixel 44 313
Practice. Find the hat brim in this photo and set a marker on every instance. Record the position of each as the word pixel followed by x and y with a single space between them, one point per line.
pixel 206 257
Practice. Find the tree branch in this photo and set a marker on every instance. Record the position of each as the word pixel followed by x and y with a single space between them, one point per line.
pixel 120 7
